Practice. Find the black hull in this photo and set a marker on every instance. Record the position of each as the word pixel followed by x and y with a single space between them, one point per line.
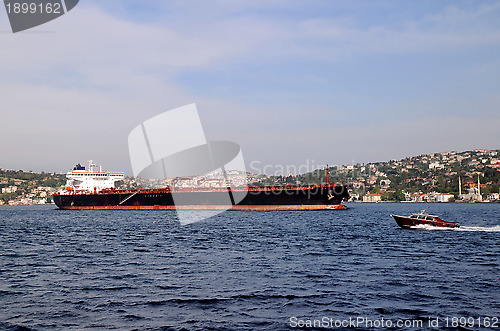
pixel 314 196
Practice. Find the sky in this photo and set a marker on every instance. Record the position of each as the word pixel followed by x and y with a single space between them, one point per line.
pixel 294 83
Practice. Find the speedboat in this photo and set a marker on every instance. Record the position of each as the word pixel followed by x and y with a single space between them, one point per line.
pixel 423 218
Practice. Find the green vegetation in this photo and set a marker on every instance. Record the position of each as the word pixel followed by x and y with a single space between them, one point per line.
pixel 25 183
pixel 437 172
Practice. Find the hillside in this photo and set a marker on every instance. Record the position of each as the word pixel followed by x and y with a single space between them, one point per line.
pixel 20 187
pixel 416 175
pixel 415 178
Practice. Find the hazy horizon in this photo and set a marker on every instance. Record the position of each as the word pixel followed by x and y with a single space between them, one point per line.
pixel 256 167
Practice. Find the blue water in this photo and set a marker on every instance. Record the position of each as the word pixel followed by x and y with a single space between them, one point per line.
pixel 246 270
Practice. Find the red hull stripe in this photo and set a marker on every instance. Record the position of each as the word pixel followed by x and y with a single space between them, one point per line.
pixel 212 207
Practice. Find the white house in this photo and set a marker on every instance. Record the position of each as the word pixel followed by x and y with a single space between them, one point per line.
pixel 444 197
pixel 375 197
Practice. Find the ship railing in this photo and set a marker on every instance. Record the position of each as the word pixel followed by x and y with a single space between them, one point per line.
pixel 253 188
pixel 289 187
pixel 167 189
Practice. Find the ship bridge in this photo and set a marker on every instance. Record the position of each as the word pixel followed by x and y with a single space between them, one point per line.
pixel 92 179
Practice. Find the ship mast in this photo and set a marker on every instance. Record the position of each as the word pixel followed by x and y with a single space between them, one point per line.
pixel 459 187
pixel 478 186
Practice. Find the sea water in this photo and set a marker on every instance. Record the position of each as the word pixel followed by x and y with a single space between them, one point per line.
pixel 249 270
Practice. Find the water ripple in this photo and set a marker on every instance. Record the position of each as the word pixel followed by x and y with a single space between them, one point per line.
pixel 242 270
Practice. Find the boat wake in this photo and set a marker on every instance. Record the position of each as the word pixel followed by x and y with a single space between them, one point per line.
pixel 431 227
pixel 495 228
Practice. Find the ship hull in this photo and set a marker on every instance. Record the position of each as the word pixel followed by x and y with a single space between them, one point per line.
pixel 319 197
pixel 213 207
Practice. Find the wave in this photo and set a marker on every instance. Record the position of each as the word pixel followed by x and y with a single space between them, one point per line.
pixel 237 297
pixel 495 228
pixel 431 228
pixel 9 326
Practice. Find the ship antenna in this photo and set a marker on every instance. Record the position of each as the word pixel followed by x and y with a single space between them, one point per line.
pixel 424 210
pixel 327 171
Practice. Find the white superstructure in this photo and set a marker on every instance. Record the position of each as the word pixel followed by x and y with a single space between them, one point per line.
pixel 92 179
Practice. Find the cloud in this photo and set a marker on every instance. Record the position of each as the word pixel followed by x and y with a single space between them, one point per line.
pixel 108 43
pixel 79 84
pixel 97 48
pixel 336 38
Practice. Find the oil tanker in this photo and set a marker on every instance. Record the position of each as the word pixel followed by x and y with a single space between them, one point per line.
pixel 93 189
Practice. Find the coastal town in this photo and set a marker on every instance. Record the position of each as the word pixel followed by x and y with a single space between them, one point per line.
pixel 470 176
pixel 28 188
